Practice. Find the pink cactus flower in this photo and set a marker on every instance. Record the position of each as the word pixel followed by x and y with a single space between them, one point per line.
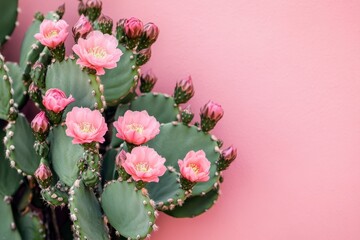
pixel 145 164
pixel 43 172
pixel 133 27
pixel 40 123
pixel 137 127
pixel 85 125
pixel 52 34
pixel 55 100
pixel 212 111
pixel 82 27
pixel 98 51
pixel 195 167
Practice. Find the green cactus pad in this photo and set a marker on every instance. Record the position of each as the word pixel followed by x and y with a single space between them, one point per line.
pixel 167 193
pixel 85 212
pixel 118 82
pixel 8 16
pixel 19 149
pixel 30 226
pixel 128 210
pixel 108 166
pixel 195 206
pixel 7 227
pixel 15 73
pixel 64 155
pixel 9 178
pixel 175 140
pixel 6 90
pixel 120 111
pixel 69 77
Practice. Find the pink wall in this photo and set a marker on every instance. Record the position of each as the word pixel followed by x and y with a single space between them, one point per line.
pixel 288 75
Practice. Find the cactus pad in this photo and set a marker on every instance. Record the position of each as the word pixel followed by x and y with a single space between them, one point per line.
pixel 64 155
pixel 108 166
pixel 15 73
pixel 128 210
pixel 7 227
pixel 31 227
pixel 196 205
pixel 8 16
pixel 9 178
pixel 167 192
pixel 84 87
pixel 118 82
pixel 6 91
pixel 86 214
pixel 19 149
pixel 176 136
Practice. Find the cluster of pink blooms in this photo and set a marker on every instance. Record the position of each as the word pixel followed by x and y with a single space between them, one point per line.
pixel 98 51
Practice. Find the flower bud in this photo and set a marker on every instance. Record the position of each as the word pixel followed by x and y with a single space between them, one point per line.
pixel 227 156
pixel 149 35
pixel 187 115
pixel 184 90
pixel 93 9
pixel 210 114
pixel 120 30
pixel 40 125
pixel 61 10
pixel 81 8
pixel 37 74
pixel 143 56
pixel 133 28
pixel 120 158
pixel 39 16
pixel 147 82
pixel 35 94
pixel 43 174
pixel 105 24
pixel 81 28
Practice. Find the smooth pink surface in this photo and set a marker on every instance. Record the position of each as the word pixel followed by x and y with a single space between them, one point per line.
pixel 287 74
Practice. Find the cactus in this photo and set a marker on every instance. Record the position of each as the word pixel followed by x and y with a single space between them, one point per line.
pixel 79 153
pixel 8 15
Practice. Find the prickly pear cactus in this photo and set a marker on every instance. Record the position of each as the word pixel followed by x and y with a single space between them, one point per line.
pixel 8 15
pixel 104 153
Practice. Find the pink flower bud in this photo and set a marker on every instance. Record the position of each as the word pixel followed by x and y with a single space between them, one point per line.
pixel 184 90
pixel 81 28
pixel 43 172
pixel 137 127
pixel 105 24
pixel 133 28
pixel 229 154
pixel 52 34
pixel 143 56
pixel 151 32
pixel 55 100
pixel 147 81
pixel 94 4
pixel 81 8
pixel 145 164
pixel 195 167
pixel 40 123
pixel 120 158
pixel 93 9
pixel 212 111
pixel 33 88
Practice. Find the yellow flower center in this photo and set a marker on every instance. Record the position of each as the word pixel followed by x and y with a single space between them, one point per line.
pixel 51 34
pixel 136 127
pixel 194 167
pixel 86 127
pixel 142 167
pixel 98 52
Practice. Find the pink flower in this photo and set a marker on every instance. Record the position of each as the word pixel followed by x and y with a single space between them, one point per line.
pixel 137 127
pixel 133 27
pixel 85 125
pixel 52 34
pixel 195 167
pixel 98 51
pixel 145 164
pixel 43 172
pixel 40 123
pixel 55 100
pixel 82 27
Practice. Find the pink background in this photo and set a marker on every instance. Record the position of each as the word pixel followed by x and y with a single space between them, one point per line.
pixel 288 76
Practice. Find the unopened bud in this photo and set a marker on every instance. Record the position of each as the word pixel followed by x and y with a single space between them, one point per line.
pixel 143 56
pixel 105 24
pixel 43 174
pixel 184 90
pixel 187 115
pixel 38 74
pixel 93 9
pixel 149 35
pixel 133 28
pixel 61 10
pixel 40 123
pixel 81 8
pixel 120 30
pixel 81 28
pixel 228 155
pixel 147 81
pixel 210 114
